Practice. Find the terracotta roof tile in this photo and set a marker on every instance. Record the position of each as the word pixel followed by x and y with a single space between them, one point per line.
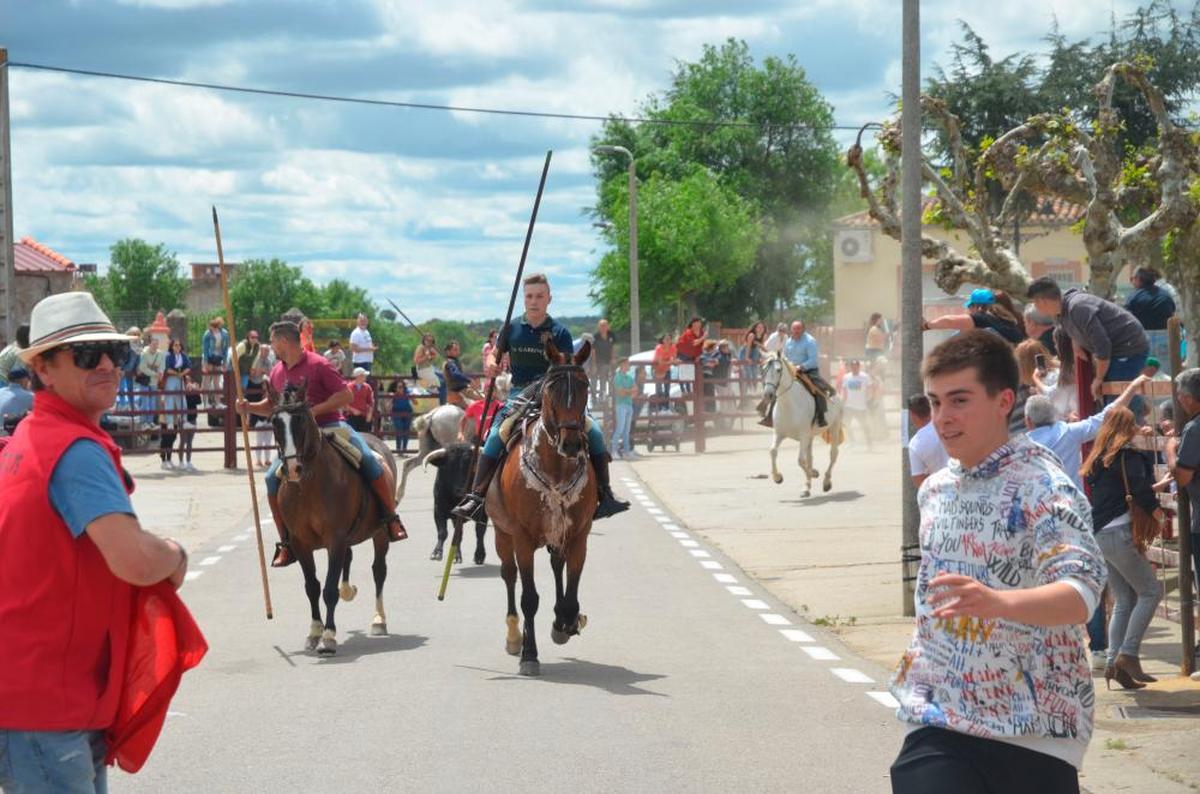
pixel 30 256
pixel 1049 212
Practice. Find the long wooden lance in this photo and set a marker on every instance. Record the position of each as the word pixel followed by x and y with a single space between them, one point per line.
pixel 415 327
pixel 501 348
pixel 237 380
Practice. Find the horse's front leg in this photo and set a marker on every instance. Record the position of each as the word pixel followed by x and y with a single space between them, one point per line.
pixel 776 440
pixel 312 588
pixel 529 607
pixel 569 621
pixel 804 458
pixel 337 558
pixel 379 570
pixel 508 572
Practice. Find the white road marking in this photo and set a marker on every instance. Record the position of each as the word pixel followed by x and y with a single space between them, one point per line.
pixel 884 699
pixel 190 575
pixel 754 603
pixel 680 535
pixel 690 544
pixel 820 653
pixel 774 620
pixel 852 676
pixel 698 553
pixel 241 538
pixel 672 527
pixel 661 519
pixel 711 565
pixel 654 511
pixel 725 578
pixel 211 560
pixel 796 635
pixel 226 548
pixel 738 590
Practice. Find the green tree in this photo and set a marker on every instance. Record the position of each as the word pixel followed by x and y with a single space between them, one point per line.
pixel 141 278
pixel 696 237
pixel 769 143
pixel 264 289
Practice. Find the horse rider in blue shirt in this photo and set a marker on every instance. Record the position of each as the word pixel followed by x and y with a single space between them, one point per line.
pixel 801 350
pixel 527 363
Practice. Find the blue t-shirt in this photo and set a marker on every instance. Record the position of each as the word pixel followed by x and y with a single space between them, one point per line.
pixel 526 353
pixel 85 486
pixel 624 379
pixel 15 400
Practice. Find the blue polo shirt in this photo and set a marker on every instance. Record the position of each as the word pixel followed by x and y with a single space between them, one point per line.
pixel 526 353
pixel 85 486
pixel 802 352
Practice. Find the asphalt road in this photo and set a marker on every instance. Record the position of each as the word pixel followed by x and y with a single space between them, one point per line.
pixel 682 680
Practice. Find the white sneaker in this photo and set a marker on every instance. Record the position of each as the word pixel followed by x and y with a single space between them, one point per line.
pixel 632 454
pixel 188 426
pixel 189 466
pixel 166 466
pixel 1099 660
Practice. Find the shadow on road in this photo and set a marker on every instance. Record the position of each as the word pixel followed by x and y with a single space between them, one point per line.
pixel 469 570
pixel 609 677
pixel 357 644
pixel 836 496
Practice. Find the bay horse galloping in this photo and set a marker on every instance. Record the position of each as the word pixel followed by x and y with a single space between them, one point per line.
pixel 326 505
pixel 546 496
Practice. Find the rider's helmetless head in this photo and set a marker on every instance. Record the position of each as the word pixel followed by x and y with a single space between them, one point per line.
pixel 797 329
pixel 537 298
pixel 285 341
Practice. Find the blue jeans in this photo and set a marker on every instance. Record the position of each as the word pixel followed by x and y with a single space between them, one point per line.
pixel 63 762
pixel 370 468
pixel 1136 591
pixel 402 424
pixel 624 421
pixel 494 447
pixel 1097 631
pixel 1125 368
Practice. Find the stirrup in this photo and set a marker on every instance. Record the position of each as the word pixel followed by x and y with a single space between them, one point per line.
pixel 283 555
pixel 395 535
pixel 609 505
pixel 470 508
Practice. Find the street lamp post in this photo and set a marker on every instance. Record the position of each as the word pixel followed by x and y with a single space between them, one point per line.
pixel 635 319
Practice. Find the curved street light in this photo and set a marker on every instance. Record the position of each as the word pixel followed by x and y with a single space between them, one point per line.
pixel 635 320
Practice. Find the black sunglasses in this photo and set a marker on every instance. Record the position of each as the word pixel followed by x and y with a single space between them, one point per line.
pixel 87 354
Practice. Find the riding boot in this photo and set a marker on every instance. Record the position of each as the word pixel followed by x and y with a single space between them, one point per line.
pixel 607 504
pixel 471 507
pixel 820 401
pixel 283 552
pixel 382 488
pixel 765 407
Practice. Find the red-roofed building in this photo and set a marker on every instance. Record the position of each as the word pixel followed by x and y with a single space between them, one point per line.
pixel 40 271
pixel 866 266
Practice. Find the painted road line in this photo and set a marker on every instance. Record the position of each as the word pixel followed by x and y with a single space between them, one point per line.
pixel 755 603
pixel 852 676
pixel 190 575
pixel 796 635
pixel 226 549
pixel 680 535
pixel 712 565
pixel 725 578
pixel 774 620
pixel 211 560
pixel 654 511
pixel 689 544
pixel 661 519
pixel 672 527
pixel 884 699
pixel 241 538
pixel 698 553
pixel 821 654
pixel 738 590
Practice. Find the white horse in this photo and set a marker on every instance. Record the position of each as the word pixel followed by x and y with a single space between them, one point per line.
pixel 793 415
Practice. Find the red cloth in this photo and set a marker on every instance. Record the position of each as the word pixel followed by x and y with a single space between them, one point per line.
pixel 321 379
pixel 475 413
pixel 363 397
pixel 164 642
pixel 689 345
pixel 64 616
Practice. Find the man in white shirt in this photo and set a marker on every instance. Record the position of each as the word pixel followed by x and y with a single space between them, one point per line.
pixel 854 401
pixel 775 341
pixel 926 455
pixel 362 349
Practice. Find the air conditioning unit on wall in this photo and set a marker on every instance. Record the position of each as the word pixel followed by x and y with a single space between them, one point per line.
pixel 853 245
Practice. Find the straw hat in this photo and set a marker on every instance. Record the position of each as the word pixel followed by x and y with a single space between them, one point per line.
pixel 65 318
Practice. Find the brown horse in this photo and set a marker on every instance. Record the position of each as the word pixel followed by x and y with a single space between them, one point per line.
pixel 326 505
pixel 545 496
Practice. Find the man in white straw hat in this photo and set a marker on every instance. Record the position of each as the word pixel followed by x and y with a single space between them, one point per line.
pixel 71 553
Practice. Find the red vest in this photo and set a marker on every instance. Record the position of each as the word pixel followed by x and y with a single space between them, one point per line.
pixel 64 616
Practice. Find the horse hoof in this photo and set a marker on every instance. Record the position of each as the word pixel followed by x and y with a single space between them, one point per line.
pixel 327 648
pixel 512 648
pixel 580 624
pixel 378 629
pixel 436 555
pixel 778 478
pixel 480 556
pixel 806 494
pixel 310 644
pixel 827 487
pixel 530 668
pixel 559 637
pixel 347 591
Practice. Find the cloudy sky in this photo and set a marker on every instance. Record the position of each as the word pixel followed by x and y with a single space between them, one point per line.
pixel 426 207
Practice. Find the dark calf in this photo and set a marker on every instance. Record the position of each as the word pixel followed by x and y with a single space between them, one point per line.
pixel 453 463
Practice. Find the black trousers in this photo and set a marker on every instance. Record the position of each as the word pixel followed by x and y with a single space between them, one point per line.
pixel 939 761
pixel 359 423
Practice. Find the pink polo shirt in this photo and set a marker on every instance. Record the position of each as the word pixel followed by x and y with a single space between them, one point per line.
pixel 322 381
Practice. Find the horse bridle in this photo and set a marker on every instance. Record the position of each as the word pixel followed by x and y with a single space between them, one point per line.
pixel 554 375
pixel 301 454
pixel 776 388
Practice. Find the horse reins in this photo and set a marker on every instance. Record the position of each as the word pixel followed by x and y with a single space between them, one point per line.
pixel 554 377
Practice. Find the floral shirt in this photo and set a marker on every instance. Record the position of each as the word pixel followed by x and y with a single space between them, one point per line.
pixel 1015 521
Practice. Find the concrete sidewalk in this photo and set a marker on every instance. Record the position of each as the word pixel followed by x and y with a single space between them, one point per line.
pixel 835 558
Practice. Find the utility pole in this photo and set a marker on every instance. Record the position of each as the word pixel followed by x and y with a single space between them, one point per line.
pixel 8 281
pixel 911 300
